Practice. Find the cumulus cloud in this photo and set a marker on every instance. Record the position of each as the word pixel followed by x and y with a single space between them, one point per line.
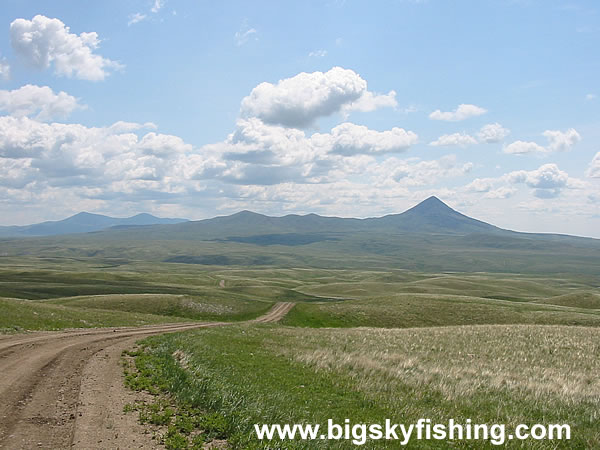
pixel 464 111
pixel 411 172
pixel 593 170
pixel 459 139
pixel 559 141
pixel 43 41
pixel 548 180
pixel 259 161
pixel 492 133
pixel 548 176
pixel 72 154
pixel 481 184
pixel 39 102
pixel 350 139
pixel 298 101
pixel 370 101
pixel 501 193
pixel 522 147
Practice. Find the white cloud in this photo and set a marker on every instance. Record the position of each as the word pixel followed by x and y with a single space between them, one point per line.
pixel 72 154
pixel 590 97
pixel 350 139
pixel 4 69
pixel 370 101
pixel 481 184
pixel 39 102
pixel 593 170
pixel 459 139
pixel 300 100
pixel 548 180
pixel 43 41
pixel 501 193
pixel 158 4
pixel 559 141
pixel 522 147
pixel 163 145
pixel 135 18
pixel 243 35
pixel 492 133
pixel 122 127
pixel 411 172
pixel 464 111
pixel 318 54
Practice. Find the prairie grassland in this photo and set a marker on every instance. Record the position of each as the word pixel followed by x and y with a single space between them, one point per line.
pixel 328 297
pixel 182 306
pixel 490 374
pixel 18 315
pixel 426 310
pixel 589 300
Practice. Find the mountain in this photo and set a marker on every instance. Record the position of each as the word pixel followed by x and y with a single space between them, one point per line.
pixel 434 216
pixel 428 237
pixel 83 222
pixel 429 216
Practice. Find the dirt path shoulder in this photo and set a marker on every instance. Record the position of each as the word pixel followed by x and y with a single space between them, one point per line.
pixel 65 389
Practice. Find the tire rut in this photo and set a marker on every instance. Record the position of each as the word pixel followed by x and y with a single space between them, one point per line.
pixel 65 389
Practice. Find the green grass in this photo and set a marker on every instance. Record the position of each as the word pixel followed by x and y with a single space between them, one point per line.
pixel 426 310
pixel 182 306
pixel 588 300
pixel 489 374
pixel 339 298
pixel 24 315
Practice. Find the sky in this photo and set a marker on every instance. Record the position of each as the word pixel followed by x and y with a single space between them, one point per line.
pixel 195 109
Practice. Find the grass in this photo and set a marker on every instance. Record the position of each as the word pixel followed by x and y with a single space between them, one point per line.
pixel 338 298
pixel 589 300
pixel 181 306
pixel 426 310
pixel 489 374
pixel 26 315
pixel 381 249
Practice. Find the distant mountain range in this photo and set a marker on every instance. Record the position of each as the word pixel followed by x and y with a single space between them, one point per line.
pixel 429 216
pixel 83 223
pixel 430 236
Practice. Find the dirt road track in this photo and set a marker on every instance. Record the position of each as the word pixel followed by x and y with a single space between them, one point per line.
pixel 65 389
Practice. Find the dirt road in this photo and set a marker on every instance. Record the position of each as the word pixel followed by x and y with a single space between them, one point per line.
pixel 65 389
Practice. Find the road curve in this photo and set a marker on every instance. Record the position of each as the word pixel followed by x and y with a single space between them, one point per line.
pixel 65 389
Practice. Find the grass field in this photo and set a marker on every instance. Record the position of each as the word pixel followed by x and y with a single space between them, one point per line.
pixel 181 306
pixel 359 344
pixel 426 310
pixel 243 375
pixel 325 298
pixel 22 315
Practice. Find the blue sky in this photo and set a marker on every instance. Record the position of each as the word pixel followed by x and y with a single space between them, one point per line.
pixel 197 109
